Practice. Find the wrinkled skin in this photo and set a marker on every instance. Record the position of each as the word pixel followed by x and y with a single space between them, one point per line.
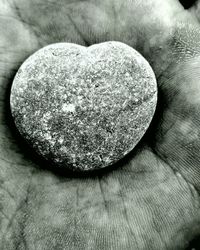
pixel 150 200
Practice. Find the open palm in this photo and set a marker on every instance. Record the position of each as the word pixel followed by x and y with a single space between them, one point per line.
pixel 151 199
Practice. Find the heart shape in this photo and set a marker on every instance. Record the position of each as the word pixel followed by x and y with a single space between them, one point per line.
pixel 84 108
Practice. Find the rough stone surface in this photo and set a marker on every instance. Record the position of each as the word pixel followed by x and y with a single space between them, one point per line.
pixel 84 108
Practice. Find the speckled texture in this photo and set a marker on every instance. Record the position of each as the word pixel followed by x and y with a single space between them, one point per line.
pixel 84 108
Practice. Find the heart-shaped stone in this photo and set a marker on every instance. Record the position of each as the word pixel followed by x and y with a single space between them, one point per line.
pixel 84 108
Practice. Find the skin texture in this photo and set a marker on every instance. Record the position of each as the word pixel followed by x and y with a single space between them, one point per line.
pixel 151 200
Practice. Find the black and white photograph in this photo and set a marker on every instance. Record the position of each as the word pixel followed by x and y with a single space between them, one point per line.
pixel 99 124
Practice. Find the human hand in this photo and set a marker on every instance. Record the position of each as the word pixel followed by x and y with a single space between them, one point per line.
pixel 151 199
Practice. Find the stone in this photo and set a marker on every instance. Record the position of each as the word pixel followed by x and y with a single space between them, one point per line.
pixel 84 108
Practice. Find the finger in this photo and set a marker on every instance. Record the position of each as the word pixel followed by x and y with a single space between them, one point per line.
pixel 143 25
pixel 16 43
pixel 178 132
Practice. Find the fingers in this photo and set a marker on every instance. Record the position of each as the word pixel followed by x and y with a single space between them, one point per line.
pixel 16 43
pixel 144 25
pixel 178 140
pixel 173 55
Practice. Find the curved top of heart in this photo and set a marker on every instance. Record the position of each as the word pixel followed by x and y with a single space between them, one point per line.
pixel 84 108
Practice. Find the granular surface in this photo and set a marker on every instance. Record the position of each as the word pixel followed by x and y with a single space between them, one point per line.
pixel 81 107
